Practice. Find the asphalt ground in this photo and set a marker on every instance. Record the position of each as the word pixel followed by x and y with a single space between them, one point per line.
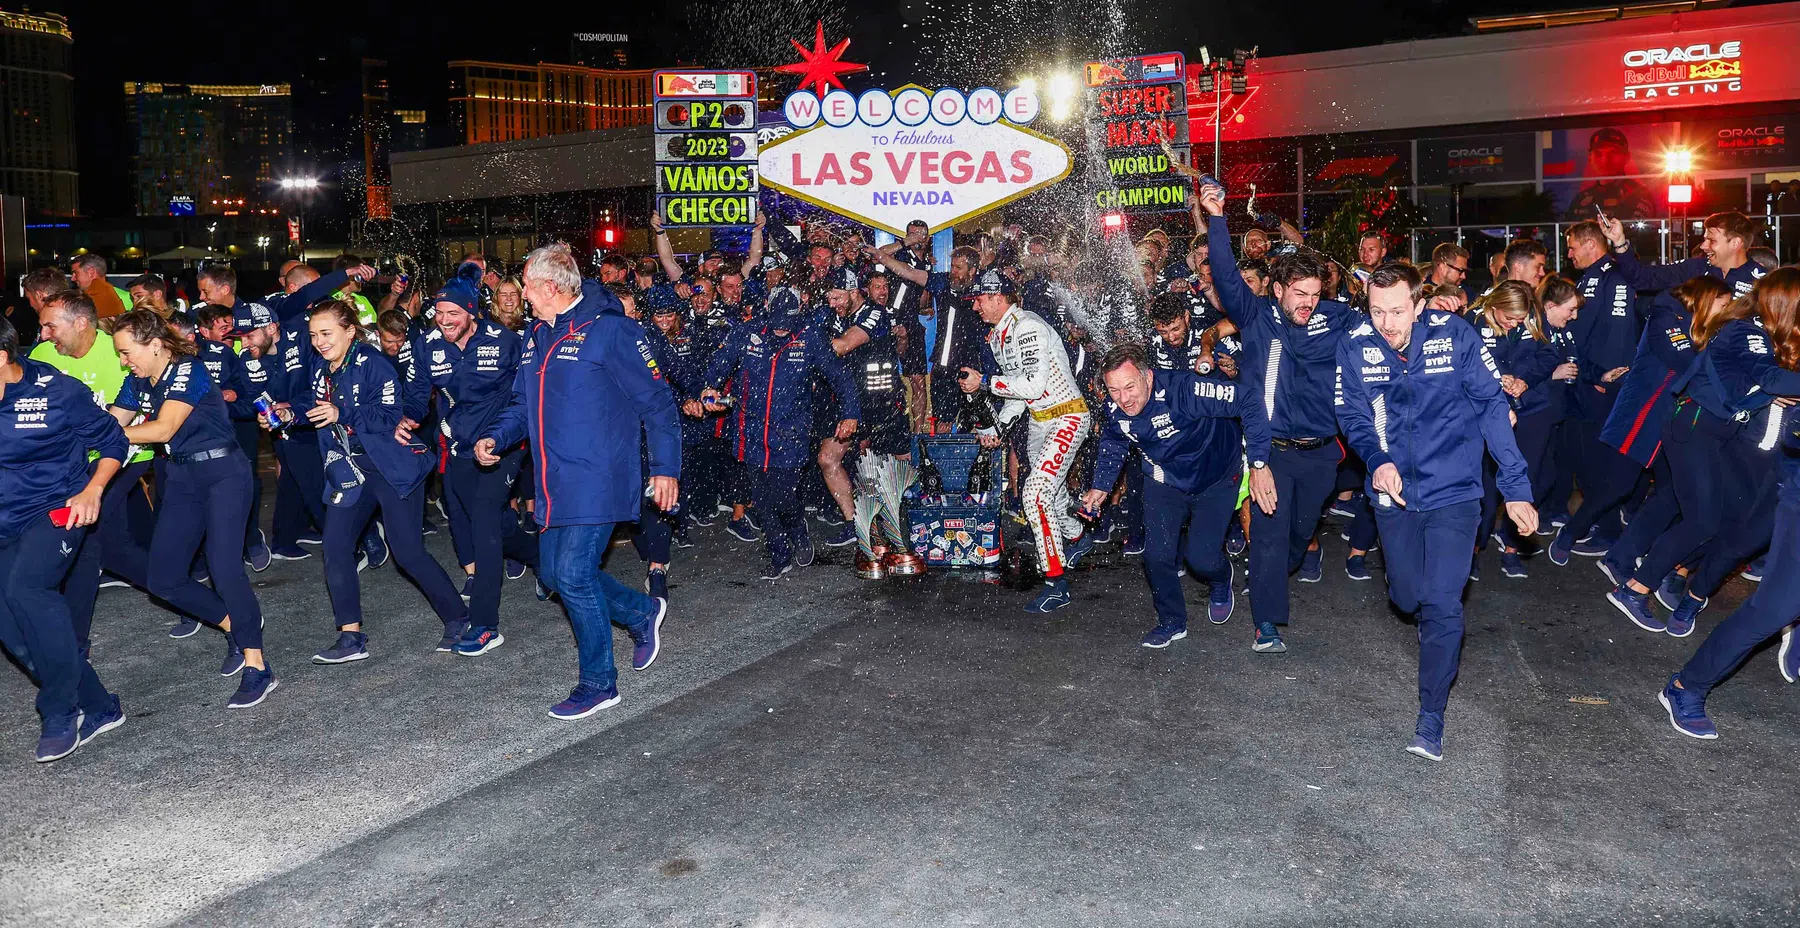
pixel 824 751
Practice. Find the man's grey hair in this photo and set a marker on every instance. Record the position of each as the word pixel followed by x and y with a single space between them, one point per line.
pixel 76 306
pixel 554 265
pixel 93 263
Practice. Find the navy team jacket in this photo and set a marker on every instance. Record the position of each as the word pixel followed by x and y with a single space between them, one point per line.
pixel 1429 412
pixel 589 396
pixel 48 422
pixel 1645 394
pixel 1289 368
pixel 1184 431
pixel 474 383
pixel 366 392
pixel 1606 336
pixel 774 373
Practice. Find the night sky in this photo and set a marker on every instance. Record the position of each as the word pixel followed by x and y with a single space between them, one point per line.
pixel 924 40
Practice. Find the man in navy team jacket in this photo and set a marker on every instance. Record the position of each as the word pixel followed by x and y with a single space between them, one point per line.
pixel 587 389
pixel 1419 398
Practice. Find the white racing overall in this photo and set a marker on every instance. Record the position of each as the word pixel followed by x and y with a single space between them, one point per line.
pixel 1034 378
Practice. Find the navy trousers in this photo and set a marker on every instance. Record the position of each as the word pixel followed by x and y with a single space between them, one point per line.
pixel 1422 580
pixel 401 515
pixel 111 547
pixel 1654 516
pixel 249 439
pixel 1774 606
pixel 1607 479
pixel 205 508
pixel 1303 481
pixel 300 491
pixel 34 620
pixel 775 494
pixel 475 498
pixel 1204 515
pixel 1713 475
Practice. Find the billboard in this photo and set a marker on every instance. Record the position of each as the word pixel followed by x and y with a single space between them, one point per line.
pixel 705 148
pixel 1613 168
pixel 1509 157
pixel 885 158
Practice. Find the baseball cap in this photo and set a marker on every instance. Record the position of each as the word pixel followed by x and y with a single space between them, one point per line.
pixel 992 281
pixel 249 316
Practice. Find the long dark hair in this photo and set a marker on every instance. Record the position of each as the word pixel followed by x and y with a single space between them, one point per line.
pixel 1698 296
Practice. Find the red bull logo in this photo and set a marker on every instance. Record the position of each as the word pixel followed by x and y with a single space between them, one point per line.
pixel 1063 440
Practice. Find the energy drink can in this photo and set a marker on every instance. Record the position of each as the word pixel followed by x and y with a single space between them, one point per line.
pixel 265 407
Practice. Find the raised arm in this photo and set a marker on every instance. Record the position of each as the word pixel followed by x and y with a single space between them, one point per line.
pixel 665 250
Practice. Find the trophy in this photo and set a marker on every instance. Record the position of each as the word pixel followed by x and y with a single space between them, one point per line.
pixel 896 475
pixel 869 505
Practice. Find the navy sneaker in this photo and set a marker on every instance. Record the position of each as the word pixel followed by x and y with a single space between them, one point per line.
pixel 1615 574
pixel 478 640
pixel 377 547
pixel 1235 543
pixel 289 553
pixel 59 739
pixel 362 561
pixel 1591 547
pixel 1221 600
pixel 1341 509
pixel 200 574
pixel 1074 549
pixel 1512 565
pixel 1268 639
pixel 803 548
pixel 1161 636
pixel 1475 566
pixel 679 538
pixel 1103 533
pixel 1687 711
pixel 645 648
pixel 186 628
pixel 741 529
pixel 310 538
pixel 468 589
pixel 99 723
pixel 845 535
pixel 257 555
pixel 656 583
pixel 112 583
pixel 253 687
pixel 1754 572
pixel 1428 736
pixel 584 701
pixel 1788 658
pixel 426 527
pixel 829 516
pixel 530 524
pixel 1132 547
pixel 1636 607
pixel 234 658
pixel 350 646
pixel 453 632
pixel 1311 569
pixel 777 569
pixel 543 592
pixel 1681 620
pixel 1054 597
pixel 1356 567
pixel 1672 590
pixel 755 520
pixel 704 519
pixel 514 569
pixel 1559 547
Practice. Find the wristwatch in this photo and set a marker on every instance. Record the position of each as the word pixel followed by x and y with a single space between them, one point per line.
pixel 1259 465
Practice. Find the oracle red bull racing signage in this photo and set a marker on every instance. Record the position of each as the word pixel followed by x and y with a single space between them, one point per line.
pixel 1684 70
pixel 885 158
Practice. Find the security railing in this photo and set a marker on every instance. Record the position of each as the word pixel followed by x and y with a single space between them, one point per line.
pixel 1661 237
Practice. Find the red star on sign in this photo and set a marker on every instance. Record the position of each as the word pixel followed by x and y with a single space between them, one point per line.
pixel 820 66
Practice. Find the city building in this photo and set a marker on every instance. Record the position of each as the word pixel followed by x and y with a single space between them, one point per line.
pixel 222 145
pixel 410 131
pixel 494 102
pixel 37 113
pixel 1529 122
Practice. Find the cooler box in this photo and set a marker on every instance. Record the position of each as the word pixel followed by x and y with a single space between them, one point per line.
pixel 957 531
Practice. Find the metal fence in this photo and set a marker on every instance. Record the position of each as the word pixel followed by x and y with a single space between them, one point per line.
pixel 1661 237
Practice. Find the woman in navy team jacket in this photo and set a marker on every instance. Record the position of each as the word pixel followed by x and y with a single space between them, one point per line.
pixel 356 407
pixel 1761 351
pixel 205 491
pixel 1511 324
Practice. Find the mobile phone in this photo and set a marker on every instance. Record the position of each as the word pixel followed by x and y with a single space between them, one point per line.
pixel 1599 213
pixel 61 517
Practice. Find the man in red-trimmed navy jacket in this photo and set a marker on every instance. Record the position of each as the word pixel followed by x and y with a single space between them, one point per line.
pixel 588 390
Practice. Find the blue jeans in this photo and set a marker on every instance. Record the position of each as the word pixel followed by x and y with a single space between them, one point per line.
pixel 569 563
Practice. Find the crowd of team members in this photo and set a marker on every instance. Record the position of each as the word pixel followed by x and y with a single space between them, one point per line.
pixel 1237 400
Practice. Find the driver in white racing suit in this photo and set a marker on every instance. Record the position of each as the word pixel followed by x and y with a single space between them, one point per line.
pixel 1034 378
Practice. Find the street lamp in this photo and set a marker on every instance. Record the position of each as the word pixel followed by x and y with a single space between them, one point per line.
pixel 303 189
pixel 262 241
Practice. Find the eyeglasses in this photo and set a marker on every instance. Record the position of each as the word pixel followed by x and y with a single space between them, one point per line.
pixel 1462 269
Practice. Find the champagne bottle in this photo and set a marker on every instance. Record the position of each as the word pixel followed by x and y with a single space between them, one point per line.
pixel 981 476
pixel 931 483
pixel 976 415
